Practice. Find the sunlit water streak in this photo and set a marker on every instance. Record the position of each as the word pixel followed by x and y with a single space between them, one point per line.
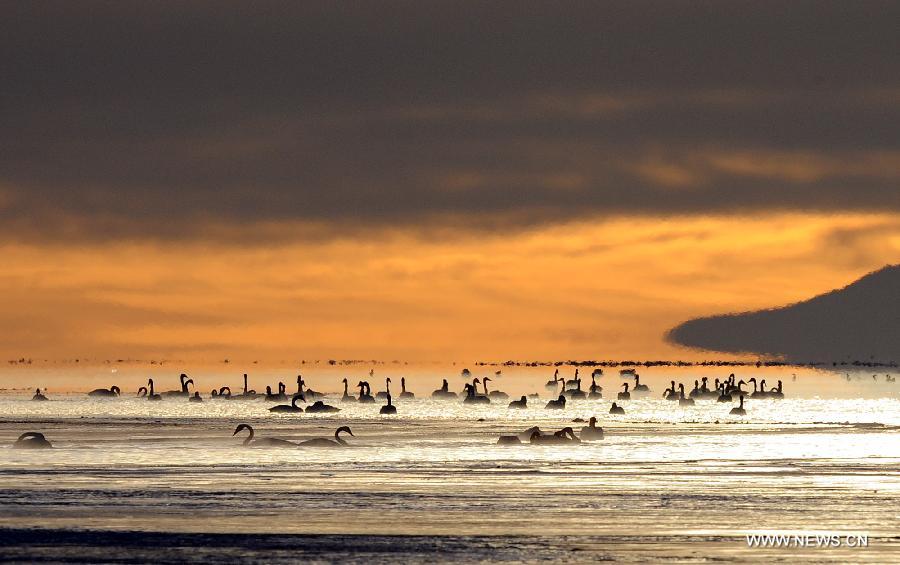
pixel 828 460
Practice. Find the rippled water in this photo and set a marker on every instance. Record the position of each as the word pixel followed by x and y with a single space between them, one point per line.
pixel 667 481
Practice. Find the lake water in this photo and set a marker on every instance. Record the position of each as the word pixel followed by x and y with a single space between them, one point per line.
pixel 135 480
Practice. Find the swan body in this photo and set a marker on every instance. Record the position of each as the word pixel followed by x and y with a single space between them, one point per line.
pixel 32 440
pixel 495 394
pixel 347 397
pixel 638 387
pixel 521 403
pixel 624 395
pixel 403 392
pixel 565 435
pixel 444 392
pixel 261 442
pixel 616 409
pixel 557 404
pixel 38 396
pixel 319 407
pixel 381 395
pixel 388 408
pixel 324 442
pixel 292 407
pixel 150 394
pixel 106 392
pixel 591 431
pixel 739 410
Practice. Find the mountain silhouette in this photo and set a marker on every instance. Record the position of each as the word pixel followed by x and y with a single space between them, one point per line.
pixel 860 322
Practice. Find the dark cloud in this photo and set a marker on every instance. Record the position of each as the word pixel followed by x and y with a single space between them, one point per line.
pixel 174 119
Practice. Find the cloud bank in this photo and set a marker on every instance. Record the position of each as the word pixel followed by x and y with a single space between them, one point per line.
pixel 210 119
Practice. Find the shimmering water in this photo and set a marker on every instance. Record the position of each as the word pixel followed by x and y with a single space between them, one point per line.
pixel 666 482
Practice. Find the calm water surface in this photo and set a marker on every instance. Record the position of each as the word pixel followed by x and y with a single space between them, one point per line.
pixel 681 483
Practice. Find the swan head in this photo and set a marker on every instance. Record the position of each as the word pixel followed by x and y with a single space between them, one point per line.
pixel 115 390
pixel 242 427
pixel 344 429
pixel 592 422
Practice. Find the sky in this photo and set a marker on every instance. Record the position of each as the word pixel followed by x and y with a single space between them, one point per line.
pixel 440 180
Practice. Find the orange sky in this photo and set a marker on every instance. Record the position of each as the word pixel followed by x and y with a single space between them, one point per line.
pixel 607 288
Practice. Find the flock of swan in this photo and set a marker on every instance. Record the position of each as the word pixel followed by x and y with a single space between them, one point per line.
pixel 727 390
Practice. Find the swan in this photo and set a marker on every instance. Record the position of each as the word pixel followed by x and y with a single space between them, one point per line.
pixel 365 393
pixel 32 440
pixel 319 407
pixel 39 396
pixel 565 435
pixel 551 385
pixel 724 396
pixel 247 394
pixel 624 395
pixel 776 392
pixel 195 398
pixel 576 393
pixel 521 403
pixel 142 392
pixel 381 395
pixel 498 394
pixel 103 392
pixel 223 393
pixel 388 408
pixel 670 393
pixel 596 391
pixel 696 390
pixel 739 410
pixel 403 392
pixel 444 391
pixel 275 397
pixel 638 387
pixel 472 396
pixel 292 407
pixel 616 409
pixel 347 397
pixel 261 442
pixel 756 392
pixel 151 395
pixel 308 393
pixel 574 380
pixel 184 387
pixel 323 442
pixel 557 404
pixel 591 431
pixel 684 401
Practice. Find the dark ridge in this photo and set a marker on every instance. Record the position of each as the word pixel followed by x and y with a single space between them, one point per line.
pixel 860 322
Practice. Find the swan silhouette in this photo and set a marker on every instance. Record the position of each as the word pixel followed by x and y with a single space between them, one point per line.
pixel 195 398
pixel 142 392
pixel 292 407
pixel 739 410
pixel 249 441
pixel 624 395
pixel 308 393
pixel 388 408
pixel 32 440
pixel 496 394
pixel 185 381
pixel 104 392
pixel 347 397
pixel 319 407
pixel 521 403
pixel 381 395
pixel 365 393
pixel 324 442
pixel 403 392
pixel 557 404
pixel 38 396
pixel 444 392
pixel 152 395
pixel 591 431
pixel 616 409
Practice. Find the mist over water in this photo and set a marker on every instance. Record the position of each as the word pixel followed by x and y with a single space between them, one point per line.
pixel 825 457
